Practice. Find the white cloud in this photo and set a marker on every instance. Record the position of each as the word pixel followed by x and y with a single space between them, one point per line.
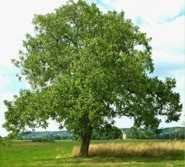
pixel 151 11
pixel 16 20
pixel 167 35
pixel 5 81
pixel 167 57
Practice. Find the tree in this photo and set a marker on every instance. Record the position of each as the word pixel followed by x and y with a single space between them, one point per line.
pixel 85 68
pixel 107 132
pixel 137 133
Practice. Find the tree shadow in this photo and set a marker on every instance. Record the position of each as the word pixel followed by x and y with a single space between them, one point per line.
pixel 119 159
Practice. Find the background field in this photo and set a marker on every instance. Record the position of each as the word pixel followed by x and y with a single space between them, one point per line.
pixel 112 153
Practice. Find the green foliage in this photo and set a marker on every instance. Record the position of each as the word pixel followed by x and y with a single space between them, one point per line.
pixel 172 133
pixel 47 135
pixel 165 133
pixel 107 133
pixel 5 141
pixel 85 68
pixel 47 139
pixel 138 133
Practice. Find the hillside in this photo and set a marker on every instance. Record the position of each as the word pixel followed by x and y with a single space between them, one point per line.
pixel 166 133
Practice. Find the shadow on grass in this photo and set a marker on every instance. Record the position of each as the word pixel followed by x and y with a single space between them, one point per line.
pixel 126 160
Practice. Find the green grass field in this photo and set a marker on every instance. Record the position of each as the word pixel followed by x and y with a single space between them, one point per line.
pixel 118 153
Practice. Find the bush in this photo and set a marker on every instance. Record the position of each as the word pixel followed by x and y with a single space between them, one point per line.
pixel 43 140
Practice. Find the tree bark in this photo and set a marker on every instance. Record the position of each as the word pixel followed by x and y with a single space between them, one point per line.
pixel 86 138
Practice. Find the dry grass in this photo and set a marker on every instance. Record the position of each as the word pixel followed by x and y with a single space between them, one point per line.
pixel 153 149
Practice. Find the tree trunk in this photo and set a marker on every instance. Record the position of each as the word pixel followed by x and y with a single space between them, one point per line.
pixel 85 145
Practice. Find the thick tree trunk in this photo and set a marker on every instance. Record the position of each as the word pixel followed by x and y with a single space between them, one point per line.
pixel 86 138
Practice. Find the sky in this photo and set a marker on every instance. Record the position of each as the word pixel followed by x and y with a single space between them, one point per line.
pixel 163 20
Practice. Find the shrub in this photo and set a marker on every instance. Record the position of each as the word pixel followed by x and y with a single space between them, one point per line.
pixel 43 140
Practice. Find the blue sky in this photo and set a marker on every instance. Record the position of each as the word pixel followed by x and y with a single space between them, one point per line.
pixel 163 20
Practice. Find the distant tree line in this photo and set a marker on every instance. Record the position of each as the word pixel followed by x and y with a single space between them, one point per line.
pixel 166 133
pixel 107 133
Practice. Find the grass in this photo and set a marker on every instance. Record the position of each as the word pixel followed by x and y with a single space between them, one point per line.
pixel 118 153
pixel 139 149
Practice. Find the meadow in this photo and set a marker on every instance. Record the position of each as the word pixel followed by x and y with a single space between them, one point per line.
pixel 107 153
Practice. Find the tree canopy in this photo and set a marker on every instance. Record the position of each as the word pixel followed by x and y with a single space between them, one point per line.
pixel 85 68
